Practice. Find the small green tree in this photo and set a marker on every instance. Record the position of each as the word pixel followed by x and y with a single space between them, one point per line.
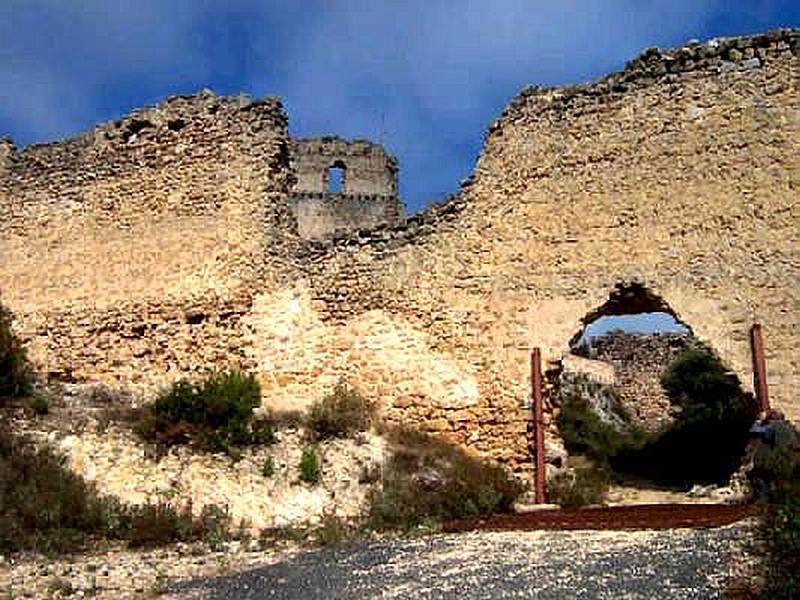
pixel 310 470
pixel 15 373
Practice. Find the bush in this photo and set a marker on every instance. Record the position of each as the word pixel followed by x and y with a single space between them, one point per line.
pixel 16 379
pixel 585 433
pixel 268 468
pixel 216 414
pixel 779 529
pixel 156 524
pixel 584 484
pixel 341 413
pixel 44 507
pixel 427 480
pixel 214 526
pixel 310 470
pixel 334 530
pixel 706 442
pixel 779 523
pixel 40 405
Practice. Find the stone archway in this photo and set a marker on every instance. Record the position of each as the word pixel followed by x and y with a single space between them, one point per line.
pixel 618 380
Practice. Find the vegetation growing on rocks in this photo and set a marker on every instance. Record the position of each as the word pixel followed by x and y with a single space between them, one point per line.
pixel 706 441
pixel 310 469
pixel 592 443
pixel 15 374
pixel 710 406
pixel 215 414
pixel 341 413
pixel 428 480
pixel 45 507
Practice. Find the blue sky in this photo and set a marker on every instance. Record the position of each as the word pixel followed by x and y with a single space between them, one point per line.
pixel 428 76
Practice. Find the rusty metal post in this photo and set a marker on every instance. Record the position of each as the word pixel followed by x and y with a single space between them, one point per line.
pixel 759 367
pixel 538 424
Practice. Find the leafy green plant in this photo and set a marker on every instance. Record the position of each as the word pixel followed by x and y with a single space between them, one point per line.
pixel 585 433
pixel 157 524
pixel 428 480
pixel 268 468
pixel 16 379
pixel 215 524
pixel 215 414
pixel 777 543
pixel 45 507
pixel 779 529
pixel 310 470
pixel 339 414
pixel 333 530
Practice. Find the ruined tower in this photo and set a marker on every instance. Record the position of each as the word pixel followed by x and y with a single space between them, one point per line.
pixel 342 186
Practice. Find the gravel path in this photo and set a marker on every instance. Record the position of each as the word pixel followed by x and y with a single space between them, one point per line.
pixel 666 564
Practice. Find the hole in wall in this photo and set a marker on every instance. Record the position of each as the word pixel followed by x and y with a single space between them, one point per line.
pixel 195 318
pixel 670 413
pixel 134 129
pixel 176 124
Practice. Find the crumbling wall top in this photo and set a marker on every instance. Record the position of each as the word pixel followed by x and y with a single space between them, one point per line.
pixel 718 56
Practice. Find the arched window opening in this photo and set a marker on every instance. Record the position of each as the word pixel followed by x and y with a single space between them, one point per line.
pixel 336 177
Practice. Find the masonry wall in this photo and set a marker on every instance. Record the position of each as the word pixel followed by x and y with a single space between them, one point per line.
pixel 321 215
pixel 369 169
pixel 680 173
pixel 124 248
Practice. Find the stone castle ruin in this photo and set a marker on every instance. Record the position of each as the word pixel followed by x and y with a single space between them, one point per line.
pixel 197 234
pixel 368 194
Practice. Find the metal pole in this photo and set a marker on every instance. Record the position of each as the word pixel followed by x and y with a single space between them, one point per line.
pixel 538 424
pixel 759 367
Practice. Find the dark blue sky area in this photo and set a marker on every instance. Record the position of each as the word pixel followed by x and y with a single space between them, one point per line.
pixel 426 76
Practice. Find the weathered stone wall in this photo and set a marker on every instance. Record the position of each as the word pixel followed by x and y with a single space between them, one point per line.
pixel 321 215
pixel 110 239
pixel 639 361
pixel 680 173
pixel 368 196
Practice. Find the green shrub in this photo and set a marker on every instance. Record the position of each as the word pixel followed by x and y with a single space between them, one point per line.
pixel 584 484
pixel 45 507
pixel 334 530
pixel 216 414
pixel 157 524
pixel 427 480
pixel 16 379
pixel 310 470
pixel 215 526
pixel 268 468
pixel 40 405
pixel 263 432
pixel 585 433
pixel 779 529
pixel 706 441
pixel 779 522
pixel 341 413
